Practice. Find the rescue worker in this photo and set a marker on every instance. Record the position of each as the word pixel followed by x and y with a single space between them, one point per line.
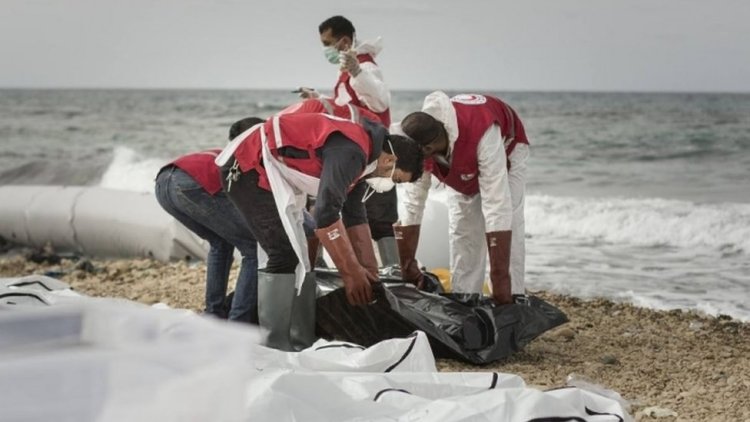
pixel 360 83
pixel 354 114
pixel 477 146
pixel 270 169
pixel 189 188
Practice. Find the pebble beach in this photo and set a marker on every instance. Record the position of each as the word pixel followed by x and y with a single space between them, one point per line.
pixel 668 365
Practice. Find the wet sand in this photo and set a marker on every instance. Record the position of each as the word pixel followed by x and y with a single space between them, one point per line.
pixel 662 362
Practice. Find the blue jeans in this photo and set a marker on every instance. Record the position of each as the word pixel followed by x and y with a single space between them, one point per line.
pixel 215 219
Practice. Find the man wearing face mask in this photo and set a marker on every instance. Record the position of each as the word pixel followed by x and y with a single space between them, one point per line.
pixel 477 146
pixel 360 83
pixel 268 172
pixel 352 113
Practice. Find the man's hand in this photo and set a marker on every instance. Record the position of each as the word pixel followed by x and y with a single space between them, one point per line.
pixel 498 248
pixel 407 239
pixel 349 63
pixel 357 286
pixel 502 297
pixel 308 93
pixel 356 277
pixel 411 273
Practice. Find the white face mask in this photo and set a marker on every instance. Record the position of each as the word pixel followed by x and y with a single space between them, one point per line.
pixel 332 54
pixel 380 184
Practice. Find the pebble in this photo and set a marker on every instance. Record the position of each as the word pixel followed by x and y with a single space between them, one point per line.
pixel 609 360
pixel 85 265
pixel 659 412
pixel 566 334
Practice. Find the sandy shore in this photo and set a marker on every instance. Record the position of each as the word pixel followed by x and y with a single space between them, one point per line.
pixel 694 366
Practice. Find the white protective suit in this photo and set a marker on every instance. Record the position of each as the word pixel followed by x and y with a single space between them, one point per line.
pixel 368 84
pixel 499 206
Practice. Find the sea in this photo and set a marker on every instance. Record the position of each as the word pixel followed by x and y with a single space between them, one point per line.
pixel 636 197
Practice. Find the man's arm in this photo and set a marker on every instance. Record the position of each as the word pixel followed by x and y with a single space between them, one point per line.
pixel 350 247
pixel 343 163
pixel 493 181
pixel 370 87
pixel 354 213
pixel 407 229
pixel 414 199
pixel 497 210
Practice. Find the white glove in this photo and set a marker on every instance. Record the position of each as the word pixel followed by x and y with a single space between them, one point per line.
pixel 349 63
pixel 308 93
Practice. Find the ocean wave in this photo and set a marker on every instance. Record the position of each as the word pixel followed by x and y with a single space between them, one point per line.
pixel 644 222
pixel 712 305
pixel 130 171
pixel 723 227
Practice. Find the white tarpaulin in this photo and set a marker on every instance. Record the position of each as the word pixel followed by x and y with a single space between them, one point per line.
pixel 86 359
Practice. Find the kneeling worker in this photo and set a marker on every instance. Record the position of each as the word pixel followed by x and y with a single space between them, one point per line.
pixel 270 169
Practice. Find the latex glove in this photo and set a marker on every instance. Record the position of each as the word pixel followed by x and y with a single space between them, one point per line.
pixel 498 248
pixel 308 93
pixel 356 277
pixel 349 63
pixel 407 239
pixel 411 273
pixel 357 285
pixel 502 297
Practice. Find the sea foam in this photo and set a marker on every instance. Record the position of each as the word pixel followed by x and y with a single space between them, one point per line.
pixel 130 171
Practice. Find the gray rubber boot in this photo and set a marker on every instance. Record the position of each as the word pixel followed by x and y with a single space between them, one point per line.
pixel 388 251
pixel 302 330
pixel 276 295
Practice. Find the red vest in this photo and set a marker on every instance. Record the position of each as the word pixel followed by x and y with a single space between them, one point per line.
pixel 307 132
pixel 385 116
pixel 475 114
pixel 201 167
pixel 349 112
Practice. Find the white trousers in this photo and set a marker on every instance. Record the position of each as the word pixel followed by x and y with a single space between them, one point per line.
pixel 468 243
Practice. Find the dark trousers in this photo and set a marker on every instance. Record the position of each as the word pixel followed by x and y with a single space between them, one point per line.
pixel 258 208
pixel 382 212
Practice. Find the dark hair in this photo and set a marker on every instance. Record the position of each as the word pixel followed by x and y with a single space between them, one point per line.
pixel 409 155
pixel 242 125
pixel 339 26
pixel 421 127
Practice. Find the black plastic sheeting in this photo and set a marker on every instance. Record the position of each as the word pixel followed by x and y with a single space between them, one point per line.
pixel 466 327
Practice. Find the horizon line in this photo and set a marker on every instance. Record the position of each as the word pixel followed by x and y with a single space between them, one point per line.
pixel 467 90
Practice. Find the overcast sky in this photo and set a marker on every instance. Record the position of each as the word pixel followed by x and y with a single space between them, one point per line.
pixel 582 45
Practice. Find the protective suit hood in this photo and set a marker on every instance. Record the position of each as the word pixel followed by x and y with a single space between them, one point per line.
pixel 439 106
pixel 372 48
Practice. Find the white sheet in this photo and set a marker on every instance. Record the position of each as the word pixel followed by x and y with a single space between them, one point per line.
pixel 112 360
